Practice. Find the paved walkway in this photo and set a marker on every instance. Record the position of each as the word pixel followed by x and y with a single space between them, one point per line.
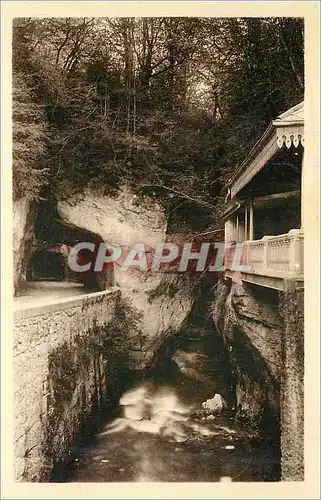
pixel 38 293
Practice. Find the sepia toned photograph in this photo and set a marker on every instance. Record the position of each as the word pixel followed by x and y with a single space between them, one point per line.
pixel 158 229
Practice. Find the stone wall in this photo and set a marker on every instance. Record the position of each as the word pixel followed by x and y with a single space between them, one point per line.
pixel 60 367
pixel 292 386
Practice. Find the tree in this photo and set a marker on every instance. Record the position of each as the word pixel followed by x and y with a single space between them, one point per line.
pixel 153 103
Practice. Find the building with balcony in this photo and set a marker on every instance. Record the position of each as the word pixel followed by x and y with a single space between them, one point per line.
pixel 259 306
pixel 264 207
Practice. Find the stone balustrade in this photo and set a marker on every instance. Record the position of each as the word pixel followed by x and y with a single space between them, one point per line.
pixel 278 257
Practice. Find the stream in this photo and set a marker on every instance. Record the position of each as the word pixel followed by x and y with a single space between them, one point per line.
pixel 159 434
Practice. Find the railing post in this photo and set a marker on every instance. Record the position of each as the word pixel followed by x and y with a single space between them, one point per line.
pixel 251 235
pixel 294 250
pixel 245 224
pixel 302 191
pixel 237 229
pixel 265 252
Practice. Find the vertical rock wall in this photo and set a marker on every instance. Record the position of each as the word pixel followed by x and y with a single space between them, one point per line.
pixel 250 324
pixel 263 329
pixel 23 238
pixel 162 302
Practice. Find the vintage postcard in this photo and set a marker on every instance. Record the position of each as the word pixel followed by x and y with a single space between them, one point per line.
pixel 160 249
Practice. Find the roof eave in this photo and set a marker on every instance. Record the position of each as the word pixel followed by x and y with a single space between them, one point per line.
pixel 253 153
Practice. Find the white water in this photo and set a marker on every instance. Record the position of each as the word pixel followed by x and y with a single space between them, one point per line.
pixel 158 437
pixel 157 411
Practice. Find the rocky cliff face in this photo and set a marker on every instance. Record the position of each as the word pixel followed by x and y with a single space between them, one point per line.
pixel 264 332
pixel 249 321
pixel 23 239
pixel 160 302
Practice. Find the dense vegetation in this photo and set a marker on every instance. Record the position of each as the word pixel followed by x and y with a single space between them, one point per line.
pixel 169 106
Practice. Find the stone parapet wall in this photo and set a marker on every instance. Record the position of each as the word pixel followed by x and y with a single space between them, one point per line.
pixel 60 377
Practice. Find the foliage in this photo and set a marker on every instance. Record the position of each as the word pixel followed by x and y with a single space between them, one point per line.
pixel 166 105
pixel 123 336
pixel 29 142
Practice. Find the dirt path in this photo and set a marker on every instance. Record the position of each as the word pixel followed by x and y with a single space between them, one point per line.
pixel 38 293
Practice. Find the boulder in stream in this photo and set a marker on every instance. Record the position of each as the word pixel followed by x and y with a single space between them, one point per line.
pixel 215 405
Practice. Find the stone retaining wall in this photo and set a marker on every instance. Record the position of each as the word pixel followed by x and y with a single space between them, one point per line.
pixel 60 369
pixel 292 386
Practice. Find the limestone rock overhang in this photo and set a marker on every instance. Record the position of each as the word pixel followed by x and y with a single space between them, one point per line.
pixel 287 130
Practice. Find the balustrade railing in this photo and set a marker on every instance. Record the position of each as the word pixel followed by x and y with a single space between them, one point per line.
pixel 276 256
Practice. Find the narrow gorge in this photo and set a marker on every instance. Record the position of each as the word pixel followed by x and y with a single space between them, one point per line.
pixel 184 351
pixel 158 228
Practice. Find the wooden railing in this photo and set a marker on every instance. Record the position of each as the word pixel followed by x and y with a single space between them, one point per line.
pixel 278 256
